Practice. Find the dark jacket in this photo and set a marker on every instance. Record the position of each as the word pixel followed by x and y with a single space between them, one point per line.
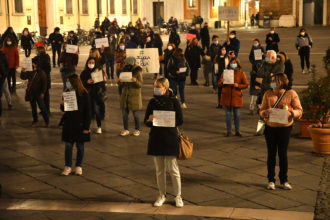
pixel 256 63
pixel 69 61
pixel 43 62
pixel 163 141
pixel 109 52
pixel 205 35
pixel 94 90
pixel 74 122
pixel 223 62
pixel 174 64
pixel 288 70
pixel 37 83
pixel 72 40
pixel 159 46
pixel 27 41
pixel 130 44
pixel 214 50
pixel 56 40
pixel 167 55
pixel 7 34
pixel 175 38
pixel 4 66
pixel 272 44
pixel 234 45
pixel 193 56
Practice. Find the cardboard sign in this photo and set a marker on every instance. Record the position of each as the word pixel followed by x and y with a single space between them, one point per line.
pixel 71 48
pixel 27 64
pixel 97 76
pixel 147 59
pixel 70 101
pixel 125 77
pixel 257 54
pixel 164 119
pixel 99 42
pixel 190 36
pixel 228 13
pixel 228 77
pixel 278 115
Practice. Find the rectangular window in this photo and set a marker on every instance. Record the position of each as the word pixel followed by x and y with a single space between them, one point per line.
pixel 19 6
pixel 84 7
pixel 135 7
pixel 69 7
pixel 192 3
pixel 99 2
pixel 112 7
pixel 123 7
pixel 214 4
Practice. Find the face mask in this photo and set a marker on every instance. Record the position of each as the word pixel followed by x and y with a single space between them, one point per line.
pixel 216 42
pixel 132 34
pixel 170 48
pixel 233 65
pixel 193 27
pixel 158 92
pixel 255 45
pixel 273 85
pixel 231 36
pixel 272 32
pixel 9 42
pixel 122 47
pixel 91 66
pixel 68 85
pixel 302 33
pixel 267 59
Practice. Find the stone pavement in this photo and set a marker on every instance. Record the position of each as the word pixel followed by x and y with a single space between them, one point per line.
pixel 224 172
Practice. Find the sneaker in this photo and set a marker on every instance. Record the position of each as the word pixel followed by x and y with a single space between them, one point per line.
pixel 124 133
pixel 287 186
pixel 98 130
pixel 78 171
pixel 136 133
pixel 178 202
pixel 66 171
pixel 271 186
pixel 303 72
pixel 184 106
pixel 160 201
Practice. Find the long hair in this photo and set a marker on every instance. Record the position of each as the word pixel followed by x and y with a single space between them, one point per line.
pixel 94 52
pixel 178 53
pixel 89 58
pixel 77 84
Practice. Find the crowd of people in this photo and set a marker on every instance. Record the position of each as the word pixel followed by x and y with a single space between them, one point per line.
pixel 270 87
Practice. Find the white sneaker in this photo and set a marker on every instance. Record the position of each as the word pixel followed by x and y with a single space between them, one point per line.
pixel 184 106
pixel 178 202
pixel 124 133
pixel 98 130
pixel 136 133
pixel 271 186
pixel 287 186
pixel 160 201
pixel 303 72
pixel 78 171
pixel 66 171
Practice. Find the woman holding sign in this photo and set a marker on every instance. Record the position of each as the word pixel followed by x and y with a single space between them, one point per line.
pixel 163 142
pixel 279 107
pixel 76 122
pixel 233 80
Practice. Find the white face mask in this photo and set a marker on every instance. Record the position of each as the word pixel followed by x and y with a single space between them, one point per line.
pixel 9 42
pixel 193 27
pixel 231 36
pixel 158 92
pixel 302 33
pixel 272 32
pixel 170 48
pixel 216 42
pixel 122 47
pixel 91 66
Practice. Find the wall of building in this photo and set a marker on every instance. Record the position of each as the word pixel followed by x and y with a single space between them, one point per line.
pixel 189 13
pixel 275 8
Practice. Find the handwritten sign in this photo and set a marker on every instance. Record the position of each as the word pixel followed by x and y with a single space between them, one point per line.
pixel 164 119
pixel 71 48
pixel 147 58
pixel 228 76
pixel 228 13
pixel 190 36
pixel 257 54
pixel 70 101
pixel 99 42
pixel 278 115
pixel 125 77
pixel 27 64
pixel 97 76
pixel 183 69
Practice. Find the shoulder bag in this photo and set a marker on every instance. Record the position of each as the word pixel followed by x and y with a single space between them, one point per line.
pixel 186 146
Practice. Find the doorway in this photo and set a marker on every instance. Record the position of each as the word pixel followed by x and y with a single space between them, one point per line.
pixel 158 11
pixel 42 17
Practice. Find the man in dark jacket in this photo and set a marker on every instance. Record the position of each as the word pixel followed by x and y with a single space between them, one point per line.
pixel 233 44
pixel 56 40
pixel 4 68
pixel 205 36
pixel 272 40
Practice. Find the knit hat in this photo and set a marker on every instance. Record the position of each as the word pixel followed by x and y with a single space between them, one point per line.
pixel 130 60
pixel 40 44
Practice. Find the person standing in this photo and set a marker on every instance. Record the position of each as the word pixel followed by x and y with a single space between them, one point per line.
pixel 10 50
pixel 288 68
pixel 168 53
pixel 120 56
pixel 272 40
pixel 76 125
pixel 233 44
pixel 9 32
pixel 158 43
pixel 69 62
pixel 56 39
pixel 214 50
pixel 205 36
pixel 303 44
pixel 193 55
pixel 232 97
pixel 35 91
pixel 207 68
pixel 109 53
pixel 277 135
pixel 72 38
pixel 222 59
pixel 163 142
pixel 4 69
pixel 131 97
pixel 26 42
pixel 174 38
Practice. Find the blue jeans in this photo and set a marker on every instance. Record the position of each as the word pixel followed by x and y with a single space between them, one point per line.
pixel 136 115
pixel 229 111
pixel 37 100
pixel 110 66
pixel 68 153
pixel 174 86
pixel 119 88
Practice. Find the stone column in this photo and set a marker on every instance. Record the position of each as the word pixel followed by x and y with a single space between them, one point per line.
pixel 51 15
pixel 301 12
pixel 325 13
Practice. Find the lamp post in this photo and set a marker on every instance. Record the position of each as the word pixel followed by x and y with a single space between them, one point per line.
pixel 98 9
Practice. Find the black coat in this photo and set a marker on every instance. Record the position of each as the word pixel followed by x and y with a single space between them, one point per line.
pixel 175 39
pixel 4 66
pixel 167 55
pixel 205 35
pixel 288 70
pixel 272 44
pixel 163 141
pixel 43 62
pixel 74 122
pixel 72 40
pixel 173 65
pixel 193 56
pixel 56 40
pixel 26 42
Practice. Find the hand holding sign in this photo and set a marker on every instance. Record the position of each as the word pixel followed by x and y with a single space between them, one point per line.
pixel 27 64
pixel 70 101
pixel 101 42
pixel 97 76
pixel 279 116
pixel 125 77
pixel 257 54
pixel 164 119
pixel 71 48
pixel 228 77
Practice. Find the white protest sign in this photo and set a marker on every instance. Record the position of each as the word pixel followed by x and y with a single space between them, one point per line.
pixel 27 64
pixel 164 119
pixel 183 69
pixel 228 76
pixel 147 58
pixel 99 42
pixel 125 77
pixel 97 76
pixel 228 13
pixel 70 101
pixel 71 48
pixel 278 115
pixel 257 54
pixel 216 68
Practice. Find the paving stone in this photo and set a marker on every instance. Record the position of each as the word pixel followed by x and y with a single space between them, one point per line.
pixel 142 192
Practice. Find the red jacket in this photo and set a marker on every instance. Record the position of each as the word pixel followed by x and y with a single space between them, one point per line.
pixel 12 55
